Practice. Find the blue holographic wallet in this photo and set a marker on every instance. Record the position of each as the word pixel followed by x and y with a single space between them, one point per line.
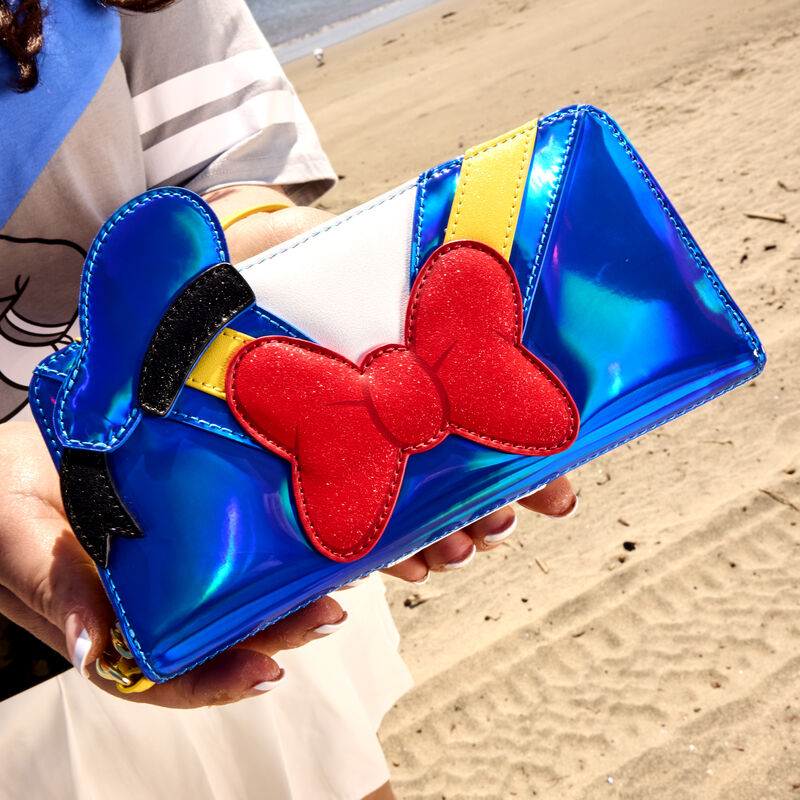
pixel 234 443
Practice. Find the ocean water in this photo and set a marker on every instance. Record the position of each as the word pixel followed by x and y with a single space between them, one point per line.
pixel 282 21
pixel 296 28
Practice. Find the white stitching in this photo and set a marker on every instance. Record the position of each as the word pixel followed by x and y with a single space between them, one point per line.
pixel 437 173
pixel 274 320
pixel 50 432
pixel 211 427
pixel 548 215
pixel 423 185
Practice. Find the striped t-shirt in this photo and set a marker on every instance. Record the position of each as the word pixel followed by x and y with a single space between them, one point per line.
pixel 191 95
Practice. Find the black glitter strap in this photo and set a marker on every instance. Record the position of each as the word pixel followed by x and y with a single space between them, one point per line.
pixel 195 317
pixel 94 509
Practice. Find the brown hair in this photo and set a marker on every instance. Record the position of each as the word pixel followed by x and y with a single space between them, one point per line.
pixel 21 33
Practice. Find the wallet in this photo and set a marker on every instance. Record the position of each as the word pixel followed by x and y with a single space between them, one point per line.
pixel 234 443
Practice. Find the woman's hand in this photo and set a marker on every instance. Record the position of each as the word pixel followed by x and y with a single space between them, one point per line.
pixel 50 586
pixel 556 500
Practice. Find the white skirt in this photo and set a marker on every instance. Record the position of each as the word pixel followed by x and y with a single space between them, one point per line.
pixel 312 738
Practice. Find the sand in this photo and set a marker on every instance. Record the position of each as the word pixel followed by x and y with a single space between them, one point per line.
pixel 671 670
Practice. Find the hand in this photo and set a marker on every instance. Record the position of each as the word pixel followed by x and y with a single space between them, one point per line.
pixel 556 500
pixel 50 586
pixel 261 231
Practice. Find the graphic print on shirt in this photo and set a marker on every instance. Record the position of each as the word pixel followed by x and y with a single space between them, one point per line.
pixel 39 277
pixel 37 310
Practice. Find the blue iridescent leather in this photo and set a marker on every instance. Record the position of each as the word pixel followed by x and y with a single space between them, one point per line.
pixel 620 304
pixel 165 238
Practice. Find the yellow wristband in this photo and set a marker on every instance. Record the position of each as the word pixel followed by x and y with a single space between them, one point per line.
pixel 238 216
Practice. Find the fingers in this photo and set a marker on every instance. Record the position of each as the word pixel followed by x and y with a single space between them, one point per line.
pixel 458 549
pixel 247 669
pixel 318 619
pixel 233 675
pixel 51 586
pixel 556 500
pixel 453 552
pixel 413 569
pixel 493 529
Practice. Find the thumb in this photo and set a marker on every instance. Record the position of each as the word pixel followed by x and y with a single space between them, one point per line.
pixel 57 586
pixel 46 578
pixel 78 603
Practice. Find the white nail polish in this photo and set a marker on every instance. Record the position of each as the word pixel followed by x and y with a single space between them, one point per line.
pixel 423 581
pixel 326 630
pixel 569 513
pixel 493 538
pixel 463 562
pixel 352 584
pixel 395 562
pixel 83 644
pixel 268 686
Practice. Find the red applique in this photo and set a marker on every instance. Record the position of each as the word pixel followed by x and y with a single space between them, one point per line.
pixel 348 429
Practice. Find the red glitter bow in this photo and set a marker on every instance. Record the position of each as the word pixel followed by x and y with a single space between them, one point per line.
pixel 348 429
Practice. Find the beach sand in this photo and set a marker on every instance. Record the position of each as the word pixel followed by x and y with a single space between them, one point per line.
pixel 562 665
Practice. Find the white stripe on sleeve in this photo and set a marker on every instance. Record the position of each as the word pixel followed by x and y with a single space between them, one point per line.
pixel 209 138
pixel 203 85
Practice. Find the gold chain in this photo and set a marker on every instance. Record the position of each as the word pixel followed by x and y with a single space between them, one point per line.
pixel 119 666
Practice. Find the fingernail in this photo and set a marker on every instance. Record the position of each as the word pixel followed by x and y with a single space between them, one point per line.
pixel 78 643
pixel 463 562
pixel 395 562
pixel 503 533
pixel 331 627
pixel 352 584
pixel 268 686
pixel 566 515
pixel 424 580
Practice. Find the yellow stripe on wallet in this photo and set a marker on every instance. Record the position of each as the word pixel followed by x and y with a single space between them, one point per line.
pixel 209 373
pixel 490 189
